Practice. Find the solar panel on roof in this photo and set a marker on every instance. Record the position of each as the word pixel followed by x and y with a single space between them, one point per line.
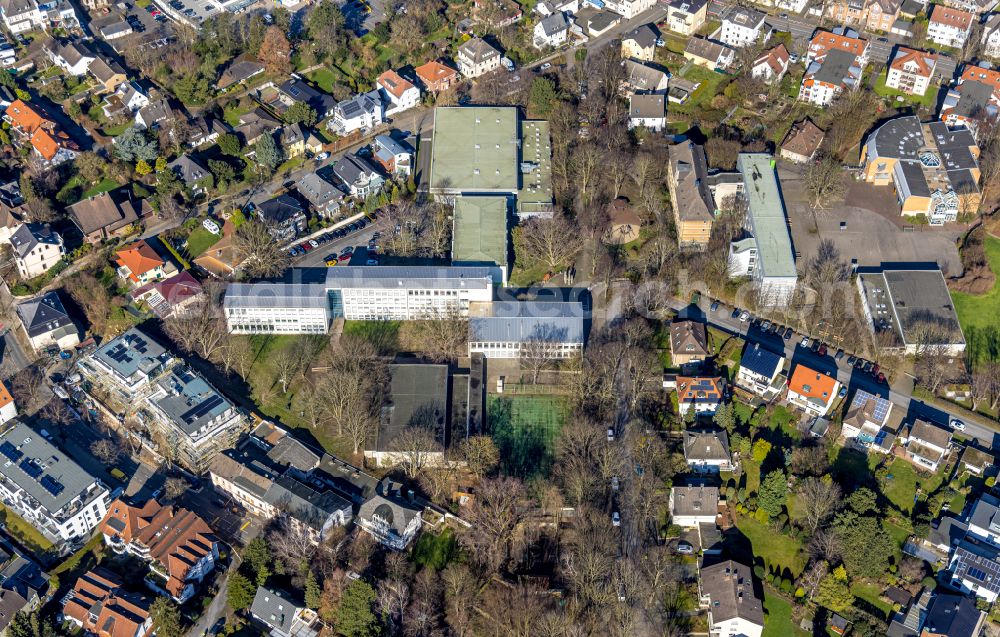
pixel 13 453
pixel 28 466
pixel 202 408
pixel 52 485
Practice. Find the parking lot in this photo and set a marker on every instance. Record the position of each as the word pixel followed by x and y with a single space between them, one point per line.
pixel 144 23
pixel 226 517
pixel 192 12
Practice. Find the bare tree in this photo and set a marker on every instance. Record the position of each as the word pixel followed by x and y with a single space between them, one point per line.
pixel 292 544
pixel 414 449
pixel 495 516
pixel 549 242
pixel 824 180
pixel 174 487
pixel 481 454
pixel 821 499
pixel 105 450
pixel 259 255
pixel 442 335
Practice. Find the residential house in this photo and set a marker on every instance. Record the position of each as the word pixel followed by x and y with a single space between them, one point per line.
pixel 691 506
pixel 152 114
pixel 688 343
pixel 623 223
pixel 360 112
pixel 551 31
pixel 205 130
pixel 295 91
pixel 975 97
pixel 72 57
pixel 435 76
pixel 477 57
pixel 693 205
pixel 389 517
pixel 292 138
pixel 359 177
pixel 984 520
pixel 977 7
pixel 8 410
pixel 734 604
pixel 812 391
pixel 281 616
pixel 977 461
pixel 700 394
pixel 644 78
pixel 129 97
pixel 221 260
pixel 25 15
pixel 108 72
pixel 254 125
pixel 709 53
pixel 36 248
pixel 835 62
pixel 949 27
pixel 325 198
pixel 398 92
pixel 951 615
pixel 108 215
pixel 602 23
pixel 32 125
pixel 647 111
pixel 802 141
pixel 192 174
pixel 640 43
pixel 239 71
pixel 759 370
pixel 846 12
pixel 933 168
pixel 100 606
pixel 742 26
pixel 771 66
pixel 284 215
pixel 686 16
pixel 975 570
pixel 866 421
pixel 25 586
pixel 175 295
pixel 882 14
pixel 46 322
pixel 839 625
pixel 274 476
pixel 395 157
pixel 140 263
pixel 927 444
pixel 991 36
pixel 180 548
pixel 496 14
pixel 629 9
pixel 48 489
pixel 548 7
pixel 910 71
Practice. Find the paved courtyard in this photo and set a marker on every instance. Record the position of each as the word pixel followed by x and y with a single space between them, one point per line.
pixel 875 232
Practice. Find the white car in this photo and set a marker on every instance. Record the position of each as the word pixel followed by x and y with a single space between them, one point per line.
pixel 611 434
pixel 685 548
pixel 956 424
pixel 616 519
pixel 322 156
pixel 744 316
pixel 546 66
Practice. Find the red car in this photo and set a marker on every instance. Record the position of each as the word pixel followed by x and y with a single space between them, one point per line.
pixel 822 350
pixel 345 257
pixel 880 378
pixel 305 246
pixel 875 369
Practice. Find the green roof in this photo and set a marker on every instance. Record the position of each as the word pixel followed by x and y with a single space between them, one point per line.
pixel 766 212
pixel 535 194
pixel 474 150
pixel 480 233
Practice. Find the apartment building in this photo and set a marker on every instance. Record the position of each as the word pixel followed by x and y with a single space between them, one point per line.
pixel 911 71
pixel 991 36
pixel 128 363
pixel 47 488
pixel 742 26
pixel 686 16
pixel 707 451
pixel 390 517
pixel 975 97
pixel 36 248
pixel 835 62
pixel 99 605
pixel 690 197
pixel 882 14
pixel 178 546
pixel 33 127
pixel 771 66
pixel 700 394
pixel 949 27
pixel 688 343
pixel 399 93
pixel 759 371
pixel 477 57
pixel 691 506
pixel 26 15
pixel 764 253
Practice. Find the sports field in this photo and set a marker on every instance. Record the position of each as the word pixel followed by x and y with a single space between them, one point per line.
pixel 525 430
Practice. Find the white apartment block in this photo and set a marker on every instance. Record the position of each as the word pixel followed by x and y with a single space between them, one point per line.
pixel 47 488
pixel 742 27
pixel 25 15
pixel 476 57
pixel 629 9
pixel 911 71
pixel 949 27
pixel 36 248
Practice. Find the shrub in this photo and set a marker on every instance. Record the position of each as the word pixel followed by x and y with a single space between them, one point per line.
pixel 758 571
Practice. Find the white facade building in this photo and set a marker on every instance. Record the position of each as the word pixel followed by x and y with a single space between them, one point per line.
pixel 741 27
pixel 551 31
pixel 949 27
pixel 47 488
pixel 361 112
pixel 539 329
pixel 36 248
pixel 398 93
pixel 628 9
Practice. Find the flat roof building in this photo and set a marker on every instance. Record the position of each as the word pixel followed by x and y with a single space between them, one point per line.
pixel 912 302
pixel 131 361
pixel 474 150
pixel 517 329
pixel 534 197
pixel 766 255
pixel 480 232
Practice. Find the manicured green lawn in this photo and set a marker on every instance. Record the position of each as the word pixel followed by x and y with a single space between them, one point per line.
pixel 981 311
pixel 778 616
pixel 901 488
pixel 323 78
pixel 115 131
pixel 927 101
pixel 103 186
pixel 778 551
pixel 752 471
pixel 24 532
pixel 870 593
pixel 200 240
pixel 710 81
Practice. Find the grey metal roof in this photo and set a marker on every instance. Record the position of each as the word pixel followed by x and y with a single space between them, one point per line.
pixel 391 145
pixel 318 191
pixel 275 608
pixel 28 236
pixel 835 68
pixel 522 321
pixel 188 400
pixel 275 295
pixel 43 315
pixel 44 472
pixel 132 352
pixel 986 513
pixel 407 277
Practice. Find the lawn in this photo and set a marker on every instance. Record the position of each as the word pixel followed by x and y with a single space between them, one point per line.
pixel 525 429
pixel 200 240
pixel 778 619
pixel 710 81
pixel 870 593
pixel 104 185
pixel 926 101
pixel 24 533
pixel 323 78
pixel 777 550
pixel 752 471
pixel 435 549
pixel 115 131
pixel 902 487
pixel 981 311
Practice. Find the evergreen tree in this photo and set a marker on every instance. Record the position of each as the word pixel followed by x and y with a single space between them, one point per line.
pixel 356 617
pixel 240 592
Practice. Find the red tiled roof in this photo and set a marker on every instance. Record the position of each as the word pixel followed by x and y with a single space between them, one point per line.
pixel 139 258
pixel 394 83
pixel 905 56
pixel 951 17
pixel 811 384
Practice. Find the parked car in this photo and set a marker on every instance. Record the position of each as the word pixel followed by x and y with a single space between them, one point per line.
pixel 804 342
pixel 715 306
pixel 744 316
pixel 345 257
pixel 616 519
pixel 788 333
pixel 371 262
pixel 615 483
pixel 735 314
pixel 851 360
pixel 314 243
pixel 842 392
pixel 323 156
pixel 822 350
pixel 815 346
pixel 685 548
pixel 347 250
pixel 956 424
pixel 546 66
pixel 880 378
pixel 765 325
pixel 839 355
pixel 611 434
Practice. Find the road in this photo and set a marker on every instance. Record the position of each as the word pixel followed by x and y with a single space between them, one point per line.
pixel 217 608
pixel 900 393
